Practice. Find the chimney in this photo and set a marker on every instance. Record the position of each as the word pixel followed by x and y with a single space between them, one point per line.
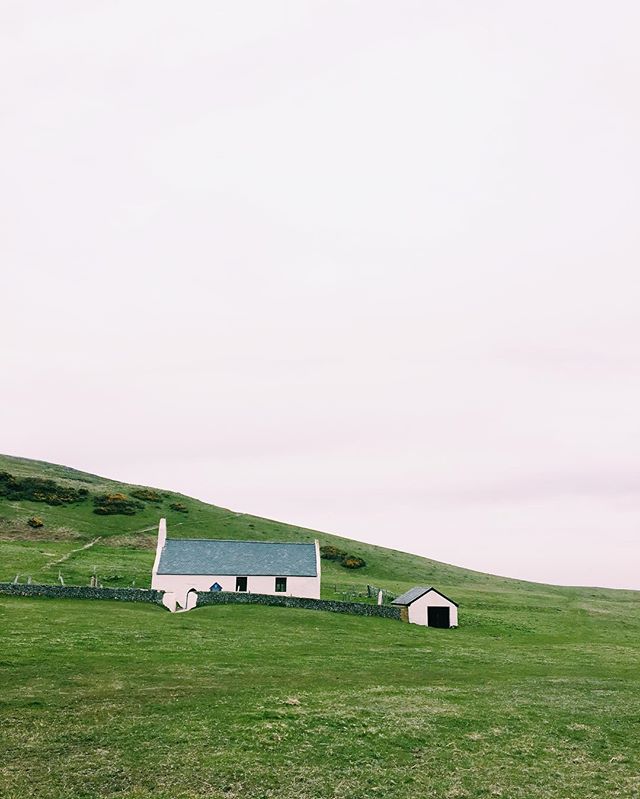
pixel 162 533
pixel 162 537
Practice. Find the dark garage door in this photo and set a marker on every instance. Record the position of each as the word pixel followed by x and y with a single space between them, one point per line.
pixel 438 617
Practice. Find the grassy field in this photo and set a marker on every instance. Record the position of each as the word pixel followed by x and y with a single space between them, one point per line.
pixel 103 700
pixel 536 695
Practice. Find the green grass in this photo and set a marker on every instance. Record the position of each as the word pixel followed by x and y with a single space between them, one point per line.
pixel 103 700
pixel 535 696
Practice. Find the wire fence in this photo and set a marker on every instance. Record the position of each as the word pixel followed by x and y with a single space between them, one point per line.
pixel 359 592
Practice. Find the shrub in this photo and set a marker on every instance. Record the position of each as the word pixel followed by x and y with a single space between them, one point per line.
pixel 112 504
pixel 353 562
pixel 180 507
pixel 147 494
pixel 329 552
pixel 35 522
pixel 39 489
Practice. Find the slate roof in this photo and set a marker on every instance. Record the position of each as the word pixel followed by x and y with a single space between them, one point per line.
pixel 240 558
pixel 415 593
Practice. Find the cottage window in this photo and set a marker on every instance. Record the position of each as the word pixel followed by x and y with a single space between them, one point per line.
pixel 281 584
pixel 241 583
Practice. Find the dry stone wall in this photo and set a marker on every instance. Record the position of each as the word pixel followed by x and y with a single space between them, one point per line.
pixel 204 598
pixel 81 592
pixel 333 606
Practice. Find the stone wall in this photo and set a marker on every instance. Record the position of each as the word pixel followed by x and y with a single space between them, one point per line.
pixel 81 592
pixel 333 606
pixel 204 598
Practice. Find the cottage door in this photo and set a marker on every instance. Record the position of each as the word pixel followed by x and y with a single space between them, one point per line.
pixel 438 617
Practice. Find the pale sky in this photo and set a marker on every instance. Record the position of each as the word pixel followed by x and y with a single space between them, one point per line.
pixel 369 267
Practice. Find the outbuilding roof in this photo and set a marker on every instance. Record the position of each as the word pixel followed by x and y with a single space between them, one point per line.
pixel 215 556
pixel 415 593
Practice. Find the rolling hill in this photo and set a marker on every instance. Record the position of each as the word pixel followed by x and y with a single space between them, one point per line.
pixel 535 696
pixel 75 541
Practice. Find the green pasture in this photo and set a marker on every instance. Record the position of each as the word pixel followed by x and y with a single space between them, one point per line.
pixel 535 696
pixel 112 701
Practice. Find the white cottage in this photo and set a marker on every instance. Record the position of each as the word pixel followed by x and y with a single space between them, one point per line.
pixel 427 606
pixel 185 566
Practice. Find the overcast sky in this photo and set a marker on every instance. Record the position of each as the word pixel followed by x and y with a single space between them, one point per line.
pixel 369 267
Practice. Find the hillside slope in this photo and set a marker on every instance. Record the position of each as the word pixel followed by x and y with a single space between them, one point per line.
pixel 75 542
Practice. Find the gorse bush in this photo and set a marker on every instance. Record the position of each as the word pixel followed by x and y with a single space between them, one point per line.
pixel 35 522
pixel 39 489
pixel 353 562
pixel 329 552
pixel 112 504
pixel 147 494
pixel 180 507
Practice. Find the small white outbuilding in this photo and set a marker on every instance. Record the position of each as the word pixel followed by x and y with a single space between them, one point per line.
pixel 427 606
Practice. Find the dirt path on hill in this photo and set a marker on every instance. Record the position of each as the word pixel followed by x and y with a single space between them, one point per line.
pixel 73 551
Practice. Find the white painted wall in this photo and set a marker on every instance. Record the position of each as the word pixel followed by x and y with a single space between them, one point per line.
pixel 418 609
pixel 179 585
pixel 170 602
